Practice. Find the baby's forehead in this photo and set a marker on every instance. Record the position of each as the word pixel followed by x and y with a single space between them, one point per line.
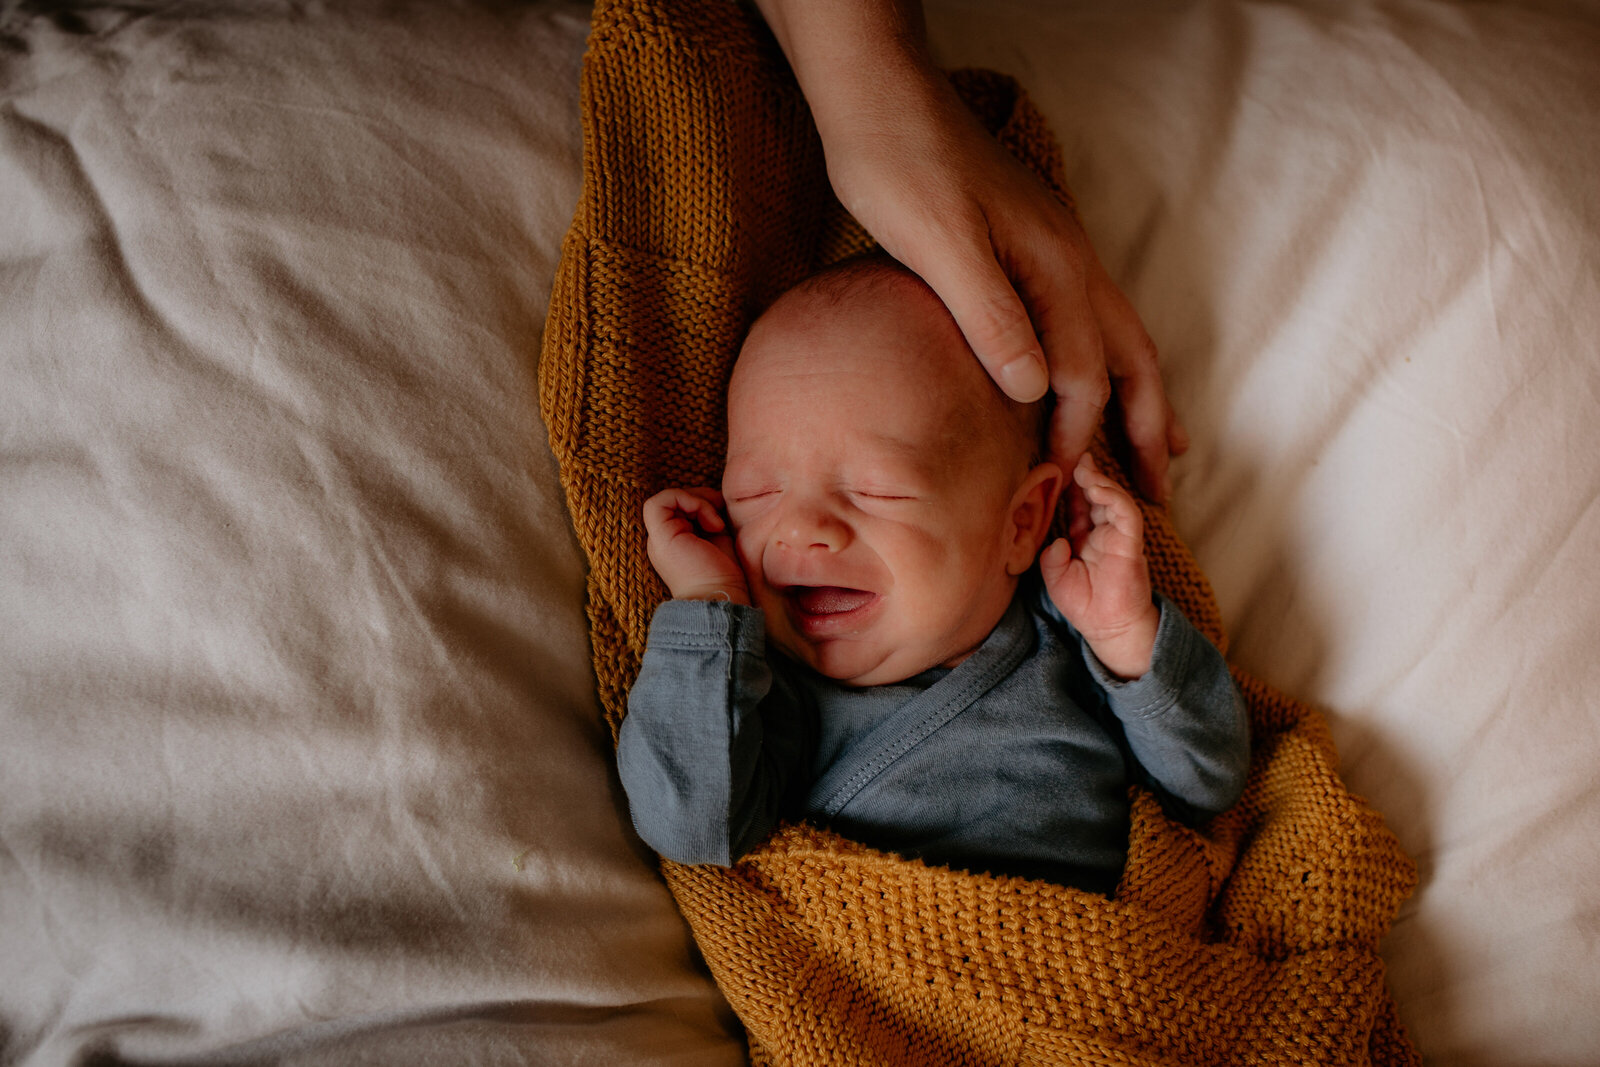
pixel 873 318
pixel 873 286
pixel 873 331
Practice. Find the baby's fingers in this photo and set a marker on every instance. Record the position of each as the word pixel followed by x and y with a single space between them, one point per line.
pixel 710 496
pixel 697 508
pixel 705 506
pixel 1054 561
pixel 1109 505
pixel 1066 579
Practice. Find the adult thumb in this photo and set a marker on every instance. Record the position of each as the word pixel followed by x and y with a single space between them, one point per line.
pixel 992 318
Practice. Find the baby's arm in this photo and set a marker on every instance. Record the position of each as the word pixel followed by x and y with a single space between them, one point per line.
pixel 691 547
pixel 704 769
pixel 1100 581
pixel 1184 721
pixel 712 738
pixel 1164 681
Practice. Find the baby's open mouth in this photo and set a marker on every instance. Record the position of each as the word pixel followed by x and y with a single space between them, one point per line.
pixel 822 613
pixel 828 599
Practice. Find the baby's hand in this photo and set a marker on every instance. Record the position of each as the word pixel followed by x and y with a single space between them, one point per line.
pixel 691 548
pixel 1101 581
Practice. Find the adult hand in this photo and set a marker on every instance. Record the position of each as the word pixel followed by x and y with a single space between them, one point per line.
pixel 1015 269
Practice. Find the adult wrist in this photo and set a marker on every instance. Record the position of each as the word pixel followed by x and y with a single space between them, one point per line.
pixel 848 53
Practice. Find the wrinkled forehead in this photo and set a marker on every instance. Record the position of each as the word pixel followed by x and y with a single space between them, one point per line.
pixel 880 327
pixel 874 346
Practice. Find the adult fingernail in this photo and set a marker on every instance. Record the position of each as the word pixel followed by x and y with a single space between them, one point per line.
pixel 1024 378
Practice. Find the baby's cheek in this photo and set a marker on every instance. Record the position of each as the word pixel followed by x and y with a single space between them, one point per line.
pixel 953 546
pixel 748 548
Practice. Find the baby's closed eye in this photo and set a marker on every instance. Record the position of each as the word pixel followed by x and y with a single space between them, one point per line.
pixel 890 503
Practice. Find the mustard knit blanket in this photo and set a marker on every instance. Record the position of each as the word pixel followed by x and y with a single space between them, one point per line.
pixel 1254 941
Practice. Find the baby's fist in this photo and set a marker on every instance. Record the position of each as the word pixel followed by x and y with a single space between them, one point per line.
pixel 691 547
pixel 1100 581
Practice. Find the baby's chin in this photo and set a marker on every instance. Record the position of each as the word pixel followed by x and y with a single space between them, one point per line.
pixel 859 664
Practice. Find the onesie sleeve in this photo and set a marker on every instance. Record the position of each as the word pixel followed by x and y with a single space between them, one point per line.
pixel 712 739
pixel 1184 719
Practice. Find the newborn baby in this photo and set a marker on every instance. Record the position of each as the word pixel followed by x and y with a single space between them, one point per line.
pixel 865 634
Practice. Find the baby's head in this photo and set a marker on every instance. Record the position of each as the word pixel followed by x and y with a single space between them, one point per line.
pixel 886 495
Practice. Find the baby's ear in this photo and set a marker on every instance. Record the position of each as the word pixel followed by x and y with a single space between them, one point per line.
pixel 1033 506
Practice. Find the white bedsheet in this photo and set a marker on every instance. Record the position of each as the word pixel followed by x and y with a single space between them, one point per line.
pixel 299 752
pixel 302 760
pixel 1367 242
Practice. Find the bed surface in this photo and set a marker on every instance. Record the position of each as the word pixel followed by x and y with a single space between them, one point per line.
pixel 300 759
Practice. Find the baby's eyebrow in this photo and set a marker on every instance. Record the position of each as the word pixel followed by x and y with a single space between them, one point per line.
pixel 910 449
pixel 922 457
pixel 918 459
pixel 901 447
pixel 736 459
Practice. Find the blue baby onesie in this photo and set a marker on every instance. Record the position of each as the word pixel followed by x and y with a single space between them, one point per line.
pixel 1016 761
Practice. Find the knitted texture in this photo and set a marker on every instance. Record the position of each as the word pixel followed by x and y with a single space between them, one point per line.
pixel 1254 941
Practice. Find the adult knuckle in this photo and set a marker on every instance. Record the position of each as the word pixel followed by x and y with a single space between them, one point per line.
pixel 1093 391
pixel 1143 352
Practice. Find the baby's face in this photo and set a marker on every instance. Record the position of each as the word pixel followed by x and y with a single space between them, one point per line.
pixel 869 494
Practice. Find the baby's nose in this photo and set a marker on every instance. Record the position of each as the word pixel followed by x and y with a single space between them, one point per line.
pixel 808 525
